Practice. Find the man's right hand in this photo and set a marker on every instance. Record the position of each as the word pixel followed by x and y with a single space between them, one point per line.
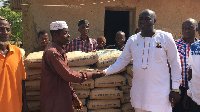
pixel 174 97
pixel 98 74
pixel 189 74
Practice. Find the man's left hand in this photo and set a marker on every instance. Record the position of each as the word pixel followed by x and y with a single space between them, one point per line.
pixel 174 97
pixel 77 104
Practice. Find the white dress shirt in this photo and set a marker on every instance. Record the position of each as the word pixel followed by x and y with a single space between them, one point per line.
pixel 151 86
pixel 194 62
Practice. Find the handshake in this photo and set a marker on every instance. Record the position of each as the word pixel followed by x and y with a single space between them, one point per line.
pixel 98 74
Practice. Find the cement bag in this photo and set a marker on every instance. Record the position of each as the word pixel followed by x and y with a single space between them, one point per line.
pixel 23 53
pixel 107 58
pixel 110 81
pixel 106 93
pixel 128 79
pixel 79 58
pixel 32 85
pixel 34 60
pixel 33 95
pixel 87 70
pixel 82 93
pixel 107 50
pixel 83 101
pixel 106 110
pixel 103 68
pixel 79 68
pixel 127 108
pixel 33 105
pixel 130 70
pixel 125 89
pixel 126 98
pixel 33 73
pixel 89 84
pixel 84 109
pixel 102 104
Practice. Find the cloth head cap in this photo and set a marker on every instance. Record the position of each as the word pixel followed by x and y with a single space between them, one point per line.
pixel 58 25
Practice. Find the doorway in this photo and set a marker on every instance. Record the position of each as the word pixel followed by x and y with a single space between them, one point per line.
pixel 115 21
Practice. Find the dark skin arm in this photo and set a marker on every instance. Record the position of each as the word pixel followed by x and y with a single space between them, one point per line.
pixel 189 74
pixel 77 104
pixel 174 97
pixel 24 105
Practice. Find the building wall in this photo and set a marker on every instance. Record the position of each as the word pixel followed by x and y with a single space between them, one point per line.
pixel 38 14
pixel 171 13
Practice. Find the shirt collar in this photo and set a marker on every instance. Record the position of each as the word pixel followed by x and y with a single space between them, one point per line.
pixel 196 39
pixel 182 40
pixel 90 40
pixel 60 49
pixel 80 39
pixel 11 49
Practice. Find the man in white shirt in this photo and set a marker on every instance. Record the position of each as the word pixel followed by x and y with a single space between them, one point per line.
pixel 194 86
pixel 150 50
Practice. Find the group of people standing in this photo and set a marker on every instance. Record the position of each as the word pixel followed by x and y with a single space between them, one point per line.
pixel 154 87
pixel 83 42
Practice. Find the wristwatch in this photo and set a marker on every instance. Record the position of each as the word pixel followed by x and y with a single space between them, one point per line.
pixel 176 90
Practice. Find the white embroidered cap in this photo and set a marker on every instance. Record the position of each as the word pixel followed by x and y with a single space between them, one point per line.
pixel 58 25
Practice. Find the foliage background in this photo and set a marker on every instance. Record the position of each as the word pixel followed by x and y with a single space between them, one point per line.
pixel 15 19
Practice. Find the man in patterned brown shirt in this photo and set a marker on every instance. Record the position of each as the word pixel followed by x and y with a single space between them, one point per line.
pixel 56 93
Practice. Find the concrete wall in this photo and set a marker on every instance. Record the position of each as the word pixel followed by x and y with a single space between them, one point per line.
pixel 38 14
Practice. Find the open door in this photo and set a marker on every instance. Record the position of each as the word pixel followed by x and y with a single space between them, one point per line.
pixel 118 20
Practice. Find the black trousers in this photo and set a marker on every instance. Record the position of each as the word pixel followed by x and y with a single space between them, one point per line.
pixel 193 107
pixel 179 106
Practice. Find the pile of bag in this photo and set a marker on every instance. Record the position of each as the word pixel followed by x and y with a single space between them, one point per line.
pixel 105 94
pixel 33 75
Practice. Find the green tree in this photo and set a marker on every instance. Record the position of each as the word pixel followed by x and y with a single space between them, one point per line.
pixel 15 19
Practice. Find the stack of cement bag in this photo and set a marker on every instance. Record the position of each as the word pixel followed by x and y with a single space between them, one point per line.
pixel 105 94
pixel 125 101
pixel 109 93
pixel 33 64
pixel 33 75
